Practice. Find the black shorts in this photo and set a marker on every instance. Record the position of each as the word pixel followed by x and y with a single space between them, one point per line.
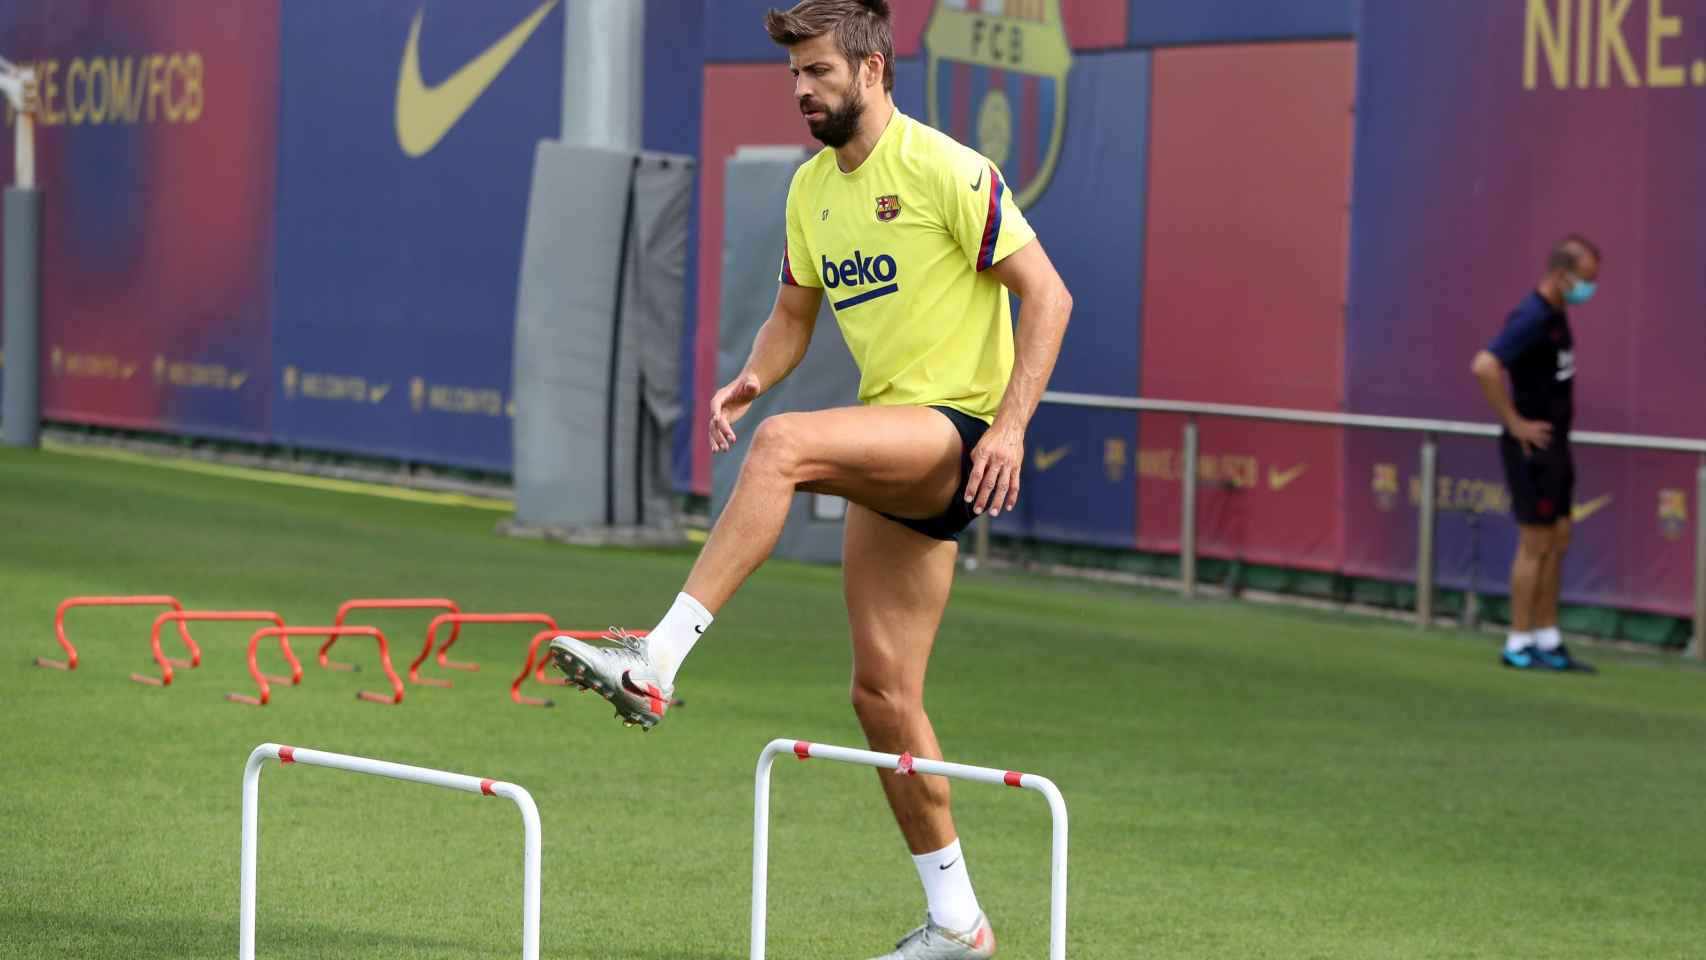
pixel 1542 483
pixel 958 516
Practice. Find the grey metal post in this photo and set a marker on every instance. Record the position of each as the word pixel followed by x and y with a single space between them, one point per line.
pixel 603 58
pixel 980 550
pixel 1425 534
pixel 20 406
pixel 1699 648
pixel 1188 511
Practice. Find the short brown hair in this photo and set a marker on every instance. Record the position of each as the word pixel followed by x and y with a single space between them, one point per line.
pixel 861 28
pixel 1567 254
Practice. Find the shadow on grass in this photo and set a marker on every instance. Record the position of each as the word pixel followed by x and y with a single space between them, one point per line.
pixel 42 932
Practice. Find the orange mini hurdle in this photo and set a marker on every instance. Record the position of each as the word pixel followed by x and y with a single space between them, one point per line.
pixel 394 697
pixel 149 600
pixel 383 603
pixel 180 616
pixel 455 619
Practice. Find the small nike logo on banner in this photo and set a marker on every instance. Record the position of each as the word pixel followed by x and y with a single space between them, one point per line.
pixel 425 114
pixel 1045 460
pixel 1582 511
pixel 1280 479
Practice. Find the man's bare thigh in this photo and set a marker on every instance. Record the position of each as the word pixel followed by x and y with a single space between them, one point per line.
pixel 899 460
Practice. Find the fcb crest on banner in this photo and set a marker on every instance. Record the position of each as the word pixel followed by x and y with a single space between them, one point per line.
pixel 996 81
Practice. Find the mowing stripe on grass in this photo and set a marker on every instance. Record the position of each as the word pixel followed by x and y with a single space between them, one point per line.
pixel 285 479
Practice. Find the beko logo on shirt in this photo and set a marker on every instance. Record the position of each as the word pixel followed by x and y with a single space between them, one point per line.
pixel 858 270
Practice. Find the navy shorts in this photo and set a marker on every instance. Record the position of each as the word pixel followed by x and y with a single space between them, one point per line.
pixel 1542 483
pixel 958 515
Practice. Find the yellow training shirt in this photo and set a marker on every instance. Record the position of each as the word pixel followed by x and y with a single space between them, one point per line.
pixel 900 246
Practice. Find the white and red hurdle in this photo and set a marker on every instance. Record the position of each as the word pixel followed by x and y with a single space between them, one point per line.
pixel 904 764
pixel 396 771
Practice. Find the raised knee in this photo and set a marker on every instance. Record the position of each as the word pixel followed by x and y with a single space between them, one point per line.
pixel 776 444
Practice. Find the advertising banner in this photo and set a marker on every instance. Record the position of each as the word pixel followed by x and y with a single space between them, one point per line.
pixel 407 134
pixel 1486 133
pixel 156 160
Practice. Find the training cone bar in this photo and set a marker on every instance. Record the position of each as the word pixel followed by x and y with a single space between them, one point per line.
pixel 396 771
pixel 181 616
pixel 382 603
pixel 455 620
pixel 394 697
pixel 149 600
pixel 908 765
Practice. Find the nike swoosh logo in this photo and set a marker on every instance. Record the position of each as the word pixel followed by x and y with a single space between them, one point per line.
pixel 376 394
pixel 1582 511
pixel 698 629
pixel 425 114
pixel 1280 479
pixel 978 183
pixel 1047 459
pixel 950 863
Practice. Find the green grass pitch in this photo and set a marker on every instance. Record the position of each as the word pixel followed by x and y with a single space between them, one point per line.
pixel 1243 782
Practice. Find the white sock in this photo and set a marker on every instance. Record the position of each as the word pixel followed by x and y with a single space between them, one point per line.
pixel 1548 638
pixel 947 887
pixel 1517 642
pixel 673 638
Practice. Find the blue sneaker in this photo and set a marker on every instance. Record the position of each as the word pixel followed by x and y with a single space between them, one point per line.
pixel 1560 659
pixel 1523 659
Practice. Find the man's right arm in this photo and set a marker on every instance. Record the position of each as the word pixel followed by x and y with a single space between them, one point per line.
pixel 782 340
pixel 780 345
pixel 1490 372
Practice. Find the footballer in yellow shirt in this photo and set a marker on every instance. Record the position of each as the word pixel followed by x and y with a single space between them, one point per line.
pixel 915 241
pixel 902 247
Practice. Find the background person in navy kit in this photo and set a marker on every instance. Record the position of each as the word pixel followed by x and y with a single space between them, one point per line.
pixel 1537 350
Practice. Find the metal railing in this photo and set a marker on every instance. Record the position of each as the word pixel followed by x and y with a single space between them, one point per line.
pixel 1430 431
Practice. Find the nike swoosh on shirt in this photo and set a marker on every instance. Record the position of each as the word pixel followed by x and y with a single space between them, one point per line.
pixel 425 114
pixel 978 183
pixel 1582 511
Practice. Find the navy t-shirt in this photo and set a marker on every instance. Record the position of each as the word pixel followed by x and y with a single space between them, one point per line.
pixel 1538 350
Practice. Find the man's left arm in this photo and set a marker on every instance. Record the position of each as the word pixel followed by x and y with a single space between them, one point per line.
pixel 1045 306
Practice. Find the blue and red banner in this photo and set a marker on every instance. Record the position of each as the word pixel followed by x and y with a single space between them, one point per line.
pixel 1249 153
pixel 157 161
pixel 407 133
pixel 1488 132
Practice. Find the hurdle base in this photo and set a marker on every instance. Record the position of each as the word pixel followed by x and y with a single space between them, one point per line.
pixel 48 663
pixel 459 665
pixel 183 664
pixel 385 698
pixel 528 701
pixel 341 666
pixel 147 680
pixel 429 682
pixel 245 699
